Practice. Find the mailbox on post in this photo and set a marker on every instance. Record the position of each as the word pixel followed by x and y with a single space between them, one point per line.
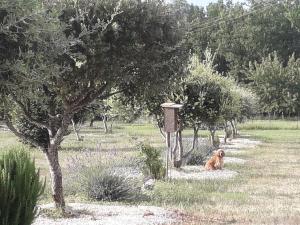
pixel 171 118
pixel 171 124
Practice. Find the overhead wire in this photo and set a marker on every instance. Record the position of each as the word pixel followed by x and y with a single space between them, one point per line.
pixel 229 18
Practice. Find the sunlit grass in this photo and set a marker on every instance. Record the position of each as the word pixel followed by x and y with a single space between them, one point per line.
pixel 270 125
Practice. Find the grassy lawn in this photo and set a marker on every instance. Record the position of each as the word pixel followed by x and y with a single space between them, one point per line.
pixel 266 191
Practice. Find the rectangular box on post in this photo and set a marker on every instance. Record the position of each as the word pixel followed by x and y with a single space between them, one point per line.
pixel 171 111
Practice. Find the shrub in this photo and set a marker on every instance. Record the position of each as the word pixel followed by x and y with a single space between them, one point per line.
pixel 153 165
pixel 198 156
pixel 107 186
pixel 20 188
pixel 102 177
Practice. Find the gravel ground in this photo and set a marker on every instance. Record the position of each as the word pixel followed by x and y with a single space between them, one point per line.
pixel 92 214
pixel 199 173
pixel 234 160
pixel 240 143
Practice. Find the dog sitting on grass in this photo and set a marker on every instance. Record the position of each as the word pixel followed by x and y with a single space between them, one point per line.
pixel 216 162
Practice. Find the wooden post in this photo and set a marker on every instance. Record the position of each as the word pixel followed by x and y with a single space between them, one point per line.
pixel 170 125
pixel 168 143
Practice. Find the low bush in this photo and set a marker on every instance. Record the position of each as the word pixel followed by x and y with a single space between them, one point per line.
pixel 199 154
pixel 196 158
pixel 106 186
pixel 152 162
pixel 102 178
pixel 20 188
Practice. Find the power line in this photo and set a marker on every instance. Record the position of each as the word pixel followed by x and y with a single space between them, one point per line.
pixel 213 23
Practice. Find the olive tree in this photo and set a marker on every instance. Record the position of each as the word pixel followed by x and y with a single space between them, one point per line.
pixel 72 53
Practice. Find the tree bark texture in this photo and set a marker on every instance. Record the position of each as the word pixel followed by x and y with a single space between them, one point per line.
pixel 56 176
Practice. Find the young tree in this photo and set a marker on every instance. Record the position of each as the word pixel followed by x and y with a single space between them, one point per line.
pixel 88 50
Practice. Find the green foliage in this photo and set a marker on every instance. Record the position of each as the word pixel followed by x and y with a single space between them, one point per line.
pixel 20 188
pixel 209 98
pixel 108 186
pixel 276 85
pixel 153 165
pixel 102 183
pixel 239 35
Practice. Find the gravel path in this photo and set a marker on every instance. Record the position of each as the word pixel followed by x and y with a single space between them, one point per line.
pixel 199 173
pixel 92 214
pixel 233 160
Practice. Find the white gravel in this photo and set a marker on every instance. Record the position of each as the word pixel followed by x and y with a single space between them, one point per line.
pixel 199 173
pixel 240 143
pixel 93 214
pixel 233 160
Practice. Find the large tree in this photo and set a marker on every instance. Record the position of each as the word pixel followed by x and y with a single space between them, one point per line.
pixel 65 59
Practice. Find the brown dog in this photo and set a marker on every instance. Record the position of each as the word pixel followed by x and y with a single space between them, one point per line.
pixel 216 162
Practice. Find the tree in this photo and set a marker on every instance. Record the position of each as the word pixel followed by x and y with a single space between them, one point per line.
pixel 88 50
pixel 240 34
pixel 276 85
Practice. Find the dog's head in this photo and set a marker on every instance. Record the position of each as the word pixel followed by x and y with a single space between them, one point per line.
pixel 220 153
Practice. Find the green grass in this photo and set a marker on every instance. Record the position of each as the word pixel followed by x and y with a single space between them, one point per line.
pixel 274 136
pixel 270 125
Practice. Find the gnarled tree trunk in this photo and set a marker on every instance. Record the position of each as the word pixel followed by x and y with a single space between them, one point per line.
pixel 56 176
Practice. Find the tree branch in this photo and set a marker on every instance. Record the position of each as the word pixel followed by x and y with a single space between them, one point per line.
pixel 27 114
pixel 11 127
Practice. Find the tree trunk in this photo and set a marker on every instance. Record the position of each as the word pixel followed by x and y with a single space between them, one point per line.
pixel 235 127
pixel 179 156
pixel 56 176
pixel 92 123
pixel 212 131
pixel 161 132
pixel 195 142
pixel 175 146
pixel 226 132
pixel 76 131
pixel 195 138
pixel 105 124
pixel 297 121
pixel 234 131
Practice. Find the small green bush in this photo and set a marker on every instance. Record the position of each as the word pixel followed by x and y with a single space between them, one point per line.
pixel 103 178
pixel 153 165
pixel 107 186
pixel 20 188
